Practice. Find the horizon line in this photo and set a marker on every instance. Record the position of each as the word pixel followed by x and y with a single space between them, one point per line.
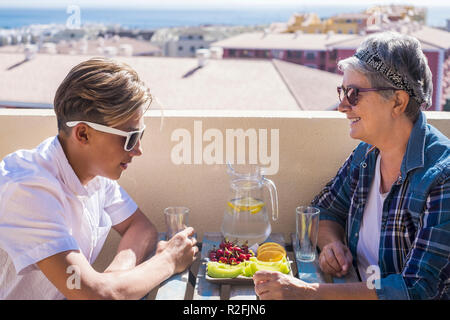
pixel 201 6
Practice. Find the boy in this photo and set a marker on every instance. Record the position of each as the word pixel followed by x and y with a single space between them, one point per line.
pixel 60 200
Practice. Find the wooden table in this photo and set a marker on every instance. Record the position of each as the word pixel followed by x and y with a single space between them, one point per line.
pixel 192 284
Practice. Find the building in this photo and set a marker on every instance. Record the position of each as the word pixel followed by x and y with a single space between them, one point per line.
pixel 185 41
pixel 305 22
pixel 356 23
pixel 110 45
pixel 400 12
pixel 310 50
pixel 180 83
pixel 181 42
pixel 322 51
pixel 435 46
pixel 349 23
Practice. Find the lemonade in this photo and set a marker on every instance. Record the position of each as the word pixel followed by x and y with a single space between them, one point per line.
pixel 245 219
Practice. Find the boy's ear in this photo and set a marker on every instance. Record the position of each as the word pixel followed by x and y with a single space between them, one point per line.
pixel 81 133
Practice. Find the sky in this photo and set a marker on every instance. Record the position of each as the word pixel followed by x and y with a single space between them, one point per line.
pixel 209 3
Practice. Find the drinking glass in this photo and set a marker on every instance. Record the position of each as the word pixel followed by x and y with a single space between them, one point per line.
pixel 307 228
pixel 176 220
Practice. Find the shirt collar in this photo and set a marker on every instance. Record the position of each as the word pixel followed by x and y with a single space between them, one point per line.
pixel 415 150
pixel 69 178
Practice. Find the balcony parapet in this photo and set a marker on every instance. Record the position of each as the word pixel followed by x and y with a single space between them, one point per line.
pixel 185 154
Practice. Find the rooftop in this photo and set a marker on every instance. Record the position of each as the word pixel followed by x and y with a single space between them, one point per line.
pixel 284 41
pixel 431 38
pixel 313 89
pixel 351 16
pixel 179 83
pixel 95 47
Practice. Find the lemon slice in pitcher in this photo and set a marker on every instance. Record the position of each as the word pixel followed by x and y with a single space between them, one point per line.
pixel 246 204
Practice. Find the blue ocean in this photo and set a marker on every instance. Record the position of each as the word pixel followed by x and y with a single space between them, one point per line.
pixel 158 18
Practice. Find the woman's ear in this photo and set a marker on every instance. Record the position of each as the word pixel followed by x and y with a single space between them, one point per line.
pixel 401 100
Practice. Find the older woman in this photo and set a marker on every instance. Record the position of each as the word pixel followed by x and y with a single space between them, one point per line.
pixel 389 205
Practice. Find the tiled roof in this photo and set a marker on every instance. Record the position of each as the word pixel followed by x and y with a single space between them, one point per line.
pixel 178 83
pixel 313 89
pixel 430 38
pixel 286 41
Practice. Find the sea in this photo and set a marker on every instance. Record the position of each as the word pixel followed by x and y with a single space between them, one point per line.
pixel 151 19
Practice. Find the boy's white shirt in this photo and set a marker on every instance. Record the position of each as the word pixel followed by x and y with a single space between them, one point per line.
pixel 45 210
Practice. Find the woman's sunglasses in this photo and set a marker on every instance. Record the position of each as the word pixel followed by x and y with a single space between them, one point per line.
pixel 132 137
pixel 351 93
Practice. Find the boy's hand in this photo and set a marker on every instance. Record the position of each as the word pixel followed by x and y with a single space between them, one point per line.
pixel 182 249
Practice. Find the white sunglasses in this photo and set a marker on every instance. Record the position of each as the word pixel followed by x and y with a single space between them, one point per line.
pixel 132 137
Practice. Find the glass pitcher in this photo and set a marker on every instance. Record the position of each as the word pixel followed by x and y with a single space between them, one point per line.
pixel 246 218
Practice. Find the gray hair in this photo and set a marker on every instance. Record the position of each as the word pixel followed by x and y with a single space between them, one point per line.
pixel 391 59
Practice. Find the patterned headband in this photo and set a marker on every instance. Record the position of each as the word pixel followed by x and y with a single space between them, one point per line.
pixel 371 58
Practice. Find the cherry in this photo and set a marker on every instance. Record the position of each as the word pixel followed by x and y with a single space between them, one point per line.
pixel 231 253
pixel 239 250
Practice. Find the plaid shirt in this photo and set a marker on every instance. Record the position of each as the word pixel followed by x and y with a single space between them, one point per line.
pixel 414 252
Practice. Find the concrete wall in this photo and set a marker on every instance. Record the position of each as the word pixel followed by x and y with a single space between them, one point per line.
pixel 312 146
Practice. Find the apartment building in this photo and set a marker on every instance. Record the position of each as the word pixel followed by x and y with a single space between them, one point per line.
pixel 355 23
pixel 323 51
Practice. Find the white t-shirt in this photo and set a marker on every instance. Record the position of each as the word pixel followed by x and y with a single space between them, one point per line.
pixel 44 210
pixel 369 233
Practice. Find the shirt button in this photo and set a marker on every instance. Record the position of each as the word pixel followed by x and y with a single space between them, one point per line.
pixel 364 165
pixel 356 234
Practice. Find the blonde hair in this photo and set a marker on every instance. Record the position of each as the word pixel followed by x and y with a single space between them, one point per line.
pixel 100 90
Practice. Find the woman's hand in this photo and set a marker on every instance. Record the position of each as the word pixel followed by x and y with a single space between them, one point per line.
pixel 273 285
pixel 335 259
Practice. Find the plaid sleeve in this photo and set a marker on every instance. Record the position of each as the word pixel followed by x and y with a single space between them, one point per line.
pixel 427 271
pixel 334 199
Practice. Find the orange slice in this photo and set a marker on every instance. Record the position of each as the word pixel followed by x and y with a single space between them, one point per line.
pixel 281 250
pixel 271 246
pixel 270 256
pixel 265 244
